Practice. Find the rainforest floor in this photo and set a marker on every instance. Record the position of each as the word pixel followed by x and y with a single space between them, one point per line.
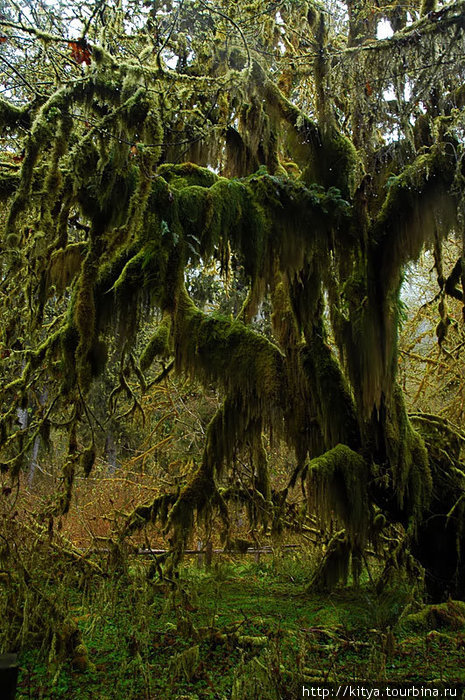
pixel 212 631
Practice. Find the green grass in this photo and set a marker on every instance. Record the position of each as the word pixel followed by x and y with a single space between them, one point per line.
pixel 135 631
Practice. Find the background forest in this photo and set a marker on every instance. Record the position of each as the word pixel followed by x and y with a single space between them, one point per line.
pixel 232 284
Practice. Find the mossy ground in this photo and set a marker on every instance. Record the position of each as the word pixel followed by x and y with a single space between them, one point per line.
pixel 134 631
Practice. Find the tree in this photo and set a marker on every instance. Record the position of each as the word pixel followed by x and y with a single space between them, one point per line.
pixel 285 138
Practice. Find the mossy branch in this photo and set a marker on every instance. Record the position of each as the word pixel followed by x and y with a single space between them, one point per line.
pixel 338 486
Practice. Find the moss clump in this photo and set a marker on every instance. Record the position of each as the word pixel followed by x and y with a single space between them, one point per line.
pixel 333 164
pixel 187 174
pixel 416 201
pixel 80 659
pixel 449 615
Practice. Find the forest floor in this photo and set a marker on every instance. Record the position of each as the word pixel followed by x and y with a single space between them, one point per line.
pixel 254 627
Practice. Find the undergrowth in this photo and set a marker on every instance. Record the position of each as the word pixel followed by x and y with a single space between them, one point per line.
pixel 237 631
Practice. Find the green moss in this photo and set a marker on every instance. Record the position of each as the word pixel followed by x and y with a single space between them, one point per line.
pixel 253 680
pixel 338 486
pixel 87 460
pixel 158 345
pixel 334 403
pixel 333 163
pixel 232 212
pixel 245 363
pixel 416 202
pixel 184 665
pixel 37 143
pixel 157 510
pixel 64 265
pixel 408 459
pixel 368 311
pixel 334 567
pixel 13 117
pixel 69 343
pixel 449 615
pixel 187 174
pixel 361 341
pixel 84 320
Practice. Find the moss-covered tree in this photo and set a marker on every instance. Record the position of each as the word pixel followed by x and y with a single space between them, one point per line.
pixel 323 159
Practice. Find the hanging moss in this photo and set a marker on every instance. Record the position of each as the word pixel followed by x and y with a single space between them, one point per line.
pixel 213 348
pixel 200 496
pixel 13 117
pixel 408 460
pixel 158 345
pixel 42 133
pixel 87 460
pixel 356 323
pixel 252 142
pixel 324 262
pixel 329 158
pixel 84 319
pixel 234 212
pixel 334 403
pixel 157 510
pixel 416 201
pixel 64 265
pixel 334 567
pixel 200 220
pixel 338 486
